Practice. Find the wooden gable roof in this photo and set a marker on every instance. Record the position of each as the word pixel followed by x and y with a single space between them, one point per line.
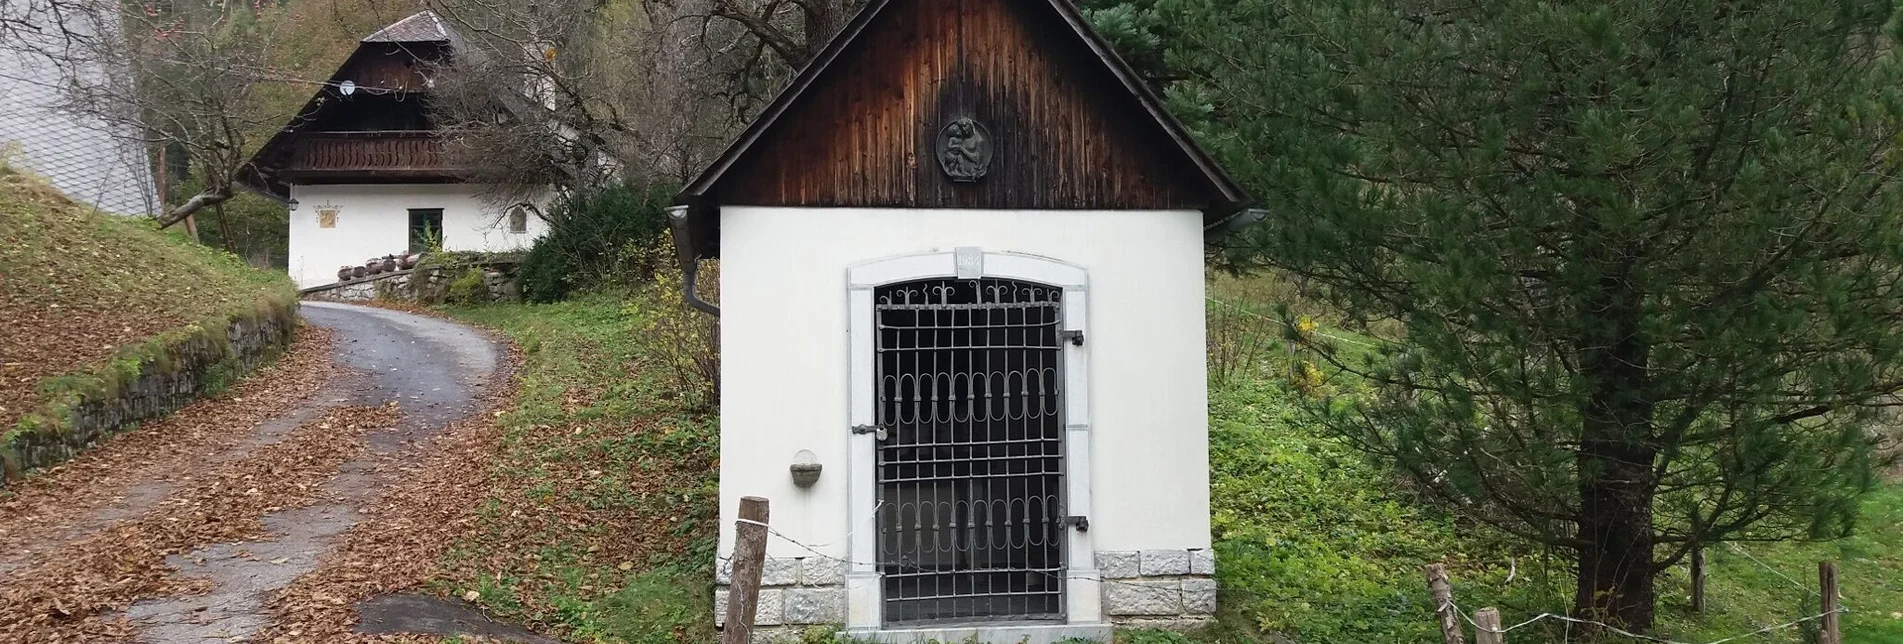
pixel 385 63
pixel 1071 126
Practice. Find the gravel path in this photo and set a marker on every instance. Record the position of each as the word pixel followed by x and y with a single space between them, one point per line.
pixel 316 462
pixel 433 370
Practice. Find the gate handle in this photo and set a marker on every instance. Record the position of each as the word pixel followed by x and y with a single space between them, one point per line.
pixel 1081 523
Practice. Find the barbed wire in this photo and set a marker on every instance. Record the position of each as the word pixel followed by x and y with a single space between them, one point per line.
pixel 1740 550
pixel 1619 631
pixel 720 560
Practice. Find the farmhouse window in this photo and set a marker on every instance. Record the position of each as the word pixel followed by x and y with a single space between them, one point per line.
pixel 426 230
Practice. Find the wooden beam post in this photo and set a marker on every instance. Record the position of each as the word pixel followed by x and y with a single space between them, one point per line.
pixel 1698 579
pixel 749 558
pixel 1443 592
pixel 1487 627
pixel 1830 631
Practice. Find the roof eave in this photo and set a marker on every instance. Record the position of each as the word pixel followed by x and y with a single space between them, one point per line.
pixel 1233 196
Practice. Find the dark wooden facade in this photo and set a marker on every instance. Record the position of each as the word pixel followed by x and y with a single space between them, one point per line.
pixel 331 157
pixel 378 132
pixel 393 66
pixel 1072 128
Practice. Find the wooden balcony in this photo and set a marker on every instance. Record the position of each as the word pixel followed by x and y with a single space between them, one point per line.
pixel 367 156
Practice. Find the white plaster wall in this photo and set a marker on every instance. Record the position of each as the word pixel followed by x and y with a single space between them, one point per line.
pixel 374 220
pixel 784 359
pixel 96 162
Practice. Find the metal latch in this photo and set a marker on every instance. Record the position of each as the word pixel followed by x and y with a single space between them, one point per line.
pixel 1082 524
pixel 1075 337
pixel 879 432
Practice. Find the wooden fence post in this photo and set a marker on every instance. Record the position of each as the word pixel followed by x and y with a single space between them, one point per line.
pixel 749 558
pixel 1698 579
pixel 1443 592
pixel 1830 631
pixel 1487 627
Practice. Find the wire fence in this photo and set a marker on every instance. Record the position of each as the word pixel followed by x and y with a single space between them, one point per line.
pixel 1826 592
pixel 817 551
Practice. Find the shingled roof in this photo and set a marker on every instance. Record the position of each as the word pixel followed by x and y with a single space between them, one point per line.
pixel 425 26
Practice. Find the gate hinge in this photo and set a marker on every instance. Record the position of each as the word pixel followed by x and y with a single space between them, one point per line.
pixel 1075 337
pixel 1081 523
pixel 869 429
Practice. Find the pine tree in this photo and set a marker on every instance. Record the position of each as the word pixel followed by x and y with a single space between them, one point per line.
pixel 1636 262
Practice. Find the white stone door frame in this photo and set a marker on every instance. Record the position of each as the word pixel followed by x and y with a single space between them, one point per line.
pixel 1083 592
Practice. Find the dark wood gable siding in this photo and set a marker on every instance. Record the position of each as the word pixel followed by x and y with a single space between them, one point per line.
pixel 392 66
pixel 1067 135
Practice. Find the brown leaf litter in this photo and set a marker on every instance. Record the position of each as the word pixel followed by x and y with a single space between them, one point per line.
pixel 74 595
pixel 398 545
pixel 113 480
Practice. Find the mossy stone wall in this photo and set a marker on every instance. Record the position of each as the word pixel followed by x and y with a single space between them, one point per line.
pixel 146 382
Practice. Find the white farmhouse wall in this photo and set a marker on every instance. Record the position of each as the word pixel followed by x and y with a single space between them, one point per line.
pixel 784 368
pixel 90 160
pixel 374 220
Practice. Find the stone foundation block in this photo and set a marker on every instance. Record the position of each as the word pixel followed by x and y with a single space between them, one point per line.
pixel 780 571
pixel 1163 563
pixel 1119 565
pixel 1202 562
pixel 1145 597
pixel 816 571
pixel 772 611
pixel 1199 596
pixel 815 606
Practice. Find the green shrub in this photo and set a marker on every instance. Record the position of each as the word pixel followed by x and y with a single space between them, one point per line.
pixel 589 238
pixel 468 288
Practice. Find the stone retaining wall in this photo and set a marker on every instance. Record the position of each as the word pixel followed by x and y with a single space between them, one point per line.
pixel 170 372
pixel 422 285
pixel 1170 589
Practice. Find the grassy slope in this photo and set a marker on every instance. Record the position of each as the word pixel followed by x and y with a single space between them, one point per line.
pixel 78 287
pixel 600 516
pixel 1316 542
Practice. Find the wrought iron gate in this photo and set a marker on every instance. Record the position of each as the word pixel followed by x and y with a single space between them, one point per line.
pixel 971 451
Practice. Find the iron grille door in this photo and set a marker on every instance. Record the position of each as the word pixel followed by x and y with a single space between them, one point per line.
pixel 971 452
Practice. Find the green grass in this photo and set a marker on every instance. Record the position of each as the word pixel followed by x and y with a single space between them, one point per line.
pixel 92 298
pixel 600 517
pixel 1318 544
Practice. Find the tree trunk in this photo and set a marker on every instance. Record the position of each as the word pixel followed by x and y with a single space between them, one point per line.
pixel 196 203
pixel 823 20
pixel 1615 461
pixel 224 228
pixel 1615 567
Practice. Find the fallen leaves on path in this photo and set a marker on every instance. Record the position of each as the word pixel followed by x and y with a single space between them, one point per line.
pixel 71 597
pixel 400 541
pixel 63 503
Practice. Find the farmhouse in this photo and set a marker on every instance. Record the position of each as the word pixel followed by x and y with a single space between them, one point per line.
pixel 961 293
pixel 363 170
